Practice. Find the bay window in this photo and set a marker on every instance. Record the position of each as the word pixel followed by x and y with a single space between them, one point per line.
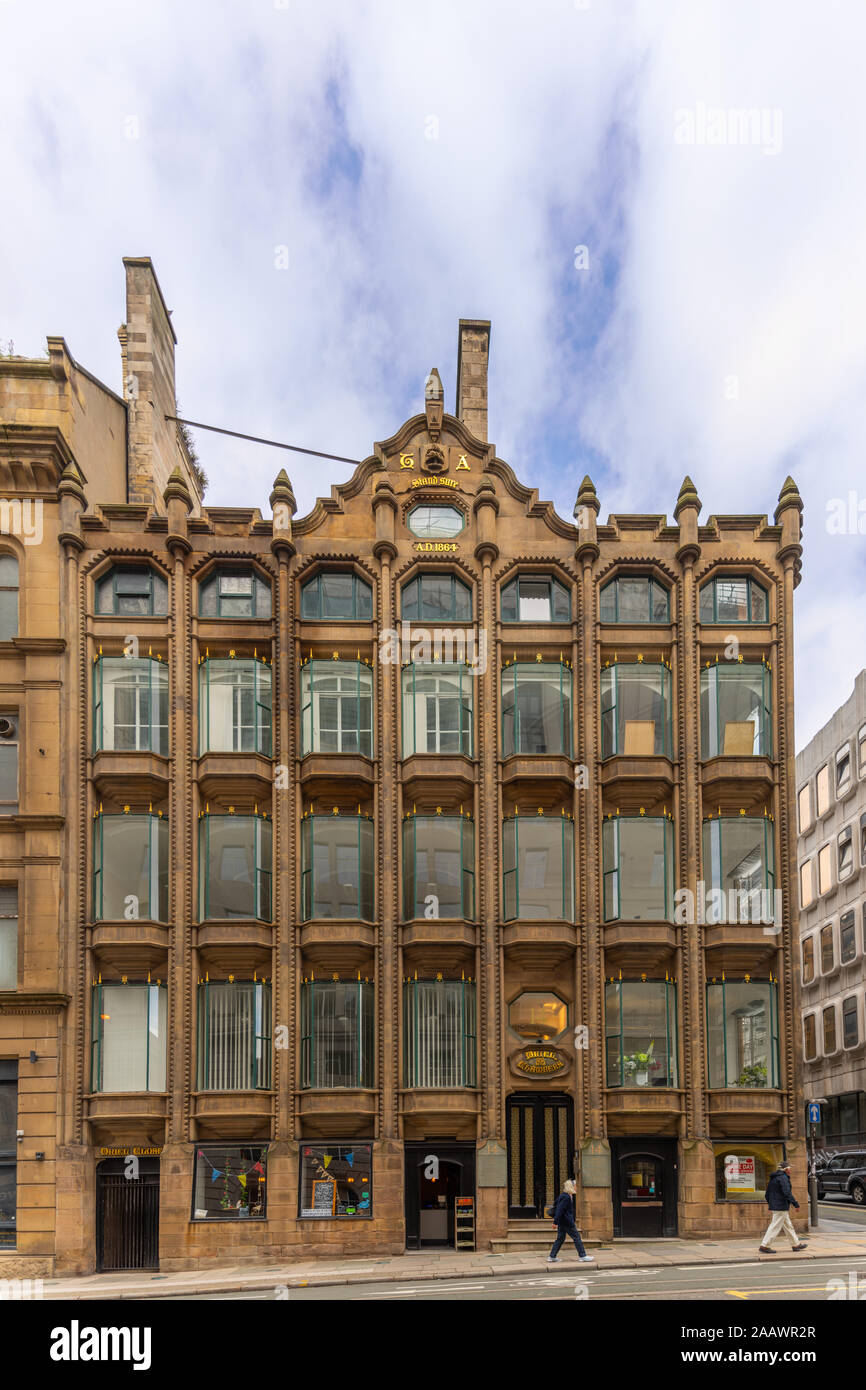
pixel 536 708
pixel 439 1033
pixel 130 867
pixel 337 867
pixel 336 708
pixel 437 708
pixel 636 710
pixel 234 709
pixel 743 1034
pixel 735 710
pixel 128 1037
pixel 438 867
pixel 538 868
pixel 739 859
pixel 234 1035
pixel 130 705
pixel 337 1023
pixel 235 863
pixel 638 867
pixel 641 1032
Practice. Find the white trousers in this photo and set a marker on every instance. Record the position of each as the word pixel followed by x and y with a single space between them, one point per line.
pixel 780 1223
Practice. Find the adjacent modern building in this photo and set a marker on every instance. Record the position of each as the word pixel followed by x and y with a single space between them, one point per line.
pixel 831 809
pixel 386 865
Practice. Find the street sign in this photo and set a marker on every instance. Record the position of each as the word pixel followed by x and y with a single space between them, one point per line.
pixel 814 1112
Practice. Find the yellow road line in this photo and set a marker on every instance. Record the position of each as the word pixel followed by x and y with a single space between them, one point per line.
pixel 789 1288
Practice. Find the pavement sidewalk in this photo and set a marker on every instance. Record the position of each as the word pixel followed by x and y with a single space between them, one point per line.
pixel 414 1267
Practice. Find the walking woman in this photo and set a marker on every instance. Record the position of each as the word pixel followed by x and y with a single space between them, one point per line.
pixel 563 1215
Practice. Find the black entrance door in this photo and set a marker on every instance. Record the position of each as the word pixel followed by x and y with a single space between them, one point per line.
pixel 644 1187
pixel 127 1215
pixel 540 1132
pixel 435 1174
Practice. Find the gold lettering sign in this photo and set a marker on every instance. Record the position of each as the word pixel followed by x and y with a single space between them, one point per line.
pixel 138 1151
pixel 539 1061
pixel 433 482
pixel 463 464
pixel 435 545
pixel 407 461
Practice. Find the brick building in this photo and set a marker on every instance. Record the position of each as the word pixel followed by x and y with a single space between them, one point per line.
pixel 408 857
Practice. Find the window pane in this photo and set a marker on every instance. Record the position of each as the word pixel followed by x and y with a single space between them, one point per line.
pixel 230 1182
pixel 131 868
pixel 847 938
pixel 337 1029
pixel 607 603
pixel 850 1029
pixel 538 1015
pixel 337 591
pixel 508 602
pixel 435 523
pixel 823 786
pixel 759 603
pixel 534 595
pixel 439 1033
pixel 536 709
pixel 807 892
pixel 8 953
pixel 732 601
pixel 641 1042
pixel 231 885
pixel 804 808
pixel 734 715
pixel 336 1181
pixel 234 1036
pixel 438 866
pixel 8 778
pixel 830 1030
pixel 635 712
pixel 742 1048
pixel 633 600
pixel 133 1037
pixel 8 614
pixel 543 881
pixel 338 865
pixel 637 851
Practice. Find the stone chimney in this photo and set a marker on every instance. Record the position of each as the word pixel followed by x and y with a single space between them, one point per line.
pixel 147 343
pixel 473 349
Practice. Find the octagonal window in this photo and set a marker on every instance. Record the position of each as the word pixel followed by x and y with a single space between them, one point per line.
pixel 435 523
pixel 538 1015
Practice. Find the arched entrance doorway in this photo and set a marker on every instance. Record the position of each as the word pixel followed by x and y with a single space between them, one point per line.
pixel 436 1174
pixel 127 1214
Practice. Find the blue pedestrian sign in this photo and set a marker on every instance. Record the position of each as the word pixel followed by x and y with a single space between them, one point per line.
pixel 814 1112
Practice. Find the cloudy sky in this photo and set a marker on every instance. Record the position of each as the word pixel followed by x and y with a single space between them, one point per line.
pixel 327 186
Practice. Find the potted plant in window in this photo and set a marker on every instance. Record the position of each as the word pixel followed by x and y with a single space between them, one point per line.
pixel 638 1065
pixel 753 1076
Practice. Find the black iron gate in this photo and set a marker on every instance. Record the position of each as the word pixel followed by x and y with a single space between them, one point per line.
pixel 127 1215
pixel 540 1134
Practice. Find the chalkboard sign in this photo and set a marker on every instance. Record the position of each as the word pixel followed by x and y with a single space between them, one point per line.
pixel 324 1198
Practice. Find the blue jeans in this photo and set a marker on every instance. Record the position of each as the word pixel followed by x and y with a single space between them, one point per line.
pixel 567 1228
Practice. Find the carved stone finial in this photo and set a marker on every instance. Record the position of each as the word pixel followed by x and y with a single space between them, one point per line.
pixel 688 497
pixel 177 487
pixel 586 497
pixel 283 492
pixel 434 403
pixel 789 497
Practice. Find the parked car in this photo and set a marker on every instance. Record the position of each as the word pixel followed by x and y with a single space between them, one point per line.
pixel 845 1174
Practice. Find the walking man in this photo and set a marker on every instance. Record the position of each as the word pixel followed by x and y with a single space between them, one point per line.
pixel 563 1215
pixel 779 1197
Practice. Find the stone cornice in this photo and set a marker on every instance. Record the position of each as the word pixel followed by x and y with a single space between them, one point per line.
pixel 32 1002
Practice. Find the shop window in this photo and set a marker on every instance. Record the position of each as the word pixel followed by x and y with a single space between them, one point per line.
pixel 804 808
pixel 130 705
pixel 536 708
pixel 638 866
pixel 336 1181
pixel 437 709
pixel 336 707
pixel 433 523
pixel 229 1182
pixel 8 1152
pixel 743 1170
pixel 130 868
pixel 538 1016
pixel 337 1031
pixel 234 1035
pixel 743 1034
pixel 735 710
pixel 636 710
pixel 337 595
pixel 843 770
pixel 808 959
pixel 733 600
pixel 8 936
pixel 436 598
pixel 235 706
pixel 634 599
pixel 822 789
pixel 439 1043
pixel 128 1037
pixel 641 1033
pixel 534 598
pixel 9 743
pixel 739 859
pixel 847 937
pixel 234 866
pixel 845 851
pixel 829 1018
pixel 234 593
pixel 827 955
pixel 337 867
pixel 807 887
pixel 810 1045
pixel 850 1026
pixel 438 867
pixel 538 868
pixel 825 870
pixel 132 591
pixel 8 600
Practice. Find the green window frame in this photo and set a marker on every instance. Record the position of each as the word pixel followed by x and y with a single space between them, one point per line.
pixel 145 679
pixel 613 608
pixel 444 840
pixel 723 685
pixel 320 605
pixel 234 1035
pixel 624 842
pixel 114 884
pixel 241 594
pixel 242 867
pixel 720 847
pixel 536 708
pixel 528 588
pixel 625 1068
pixel 628 699
pixel 152 1042
pixel 435 597
pixel 337 707
pixel 718 606
pixel 438 707
pixel 522 841
pixel 439 1034
pixel 337 1048
pixel 329 845
pixel 132 591
pixel 235 705
pixel 735 1051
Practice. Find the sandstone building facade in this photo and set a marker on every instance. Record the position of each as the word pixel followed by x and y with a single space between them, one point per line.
pixel 398 852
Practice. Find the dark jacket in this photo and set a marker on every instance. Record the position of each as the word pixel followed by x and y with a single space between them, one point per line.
pixel 563 1211
pixel 778 1195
